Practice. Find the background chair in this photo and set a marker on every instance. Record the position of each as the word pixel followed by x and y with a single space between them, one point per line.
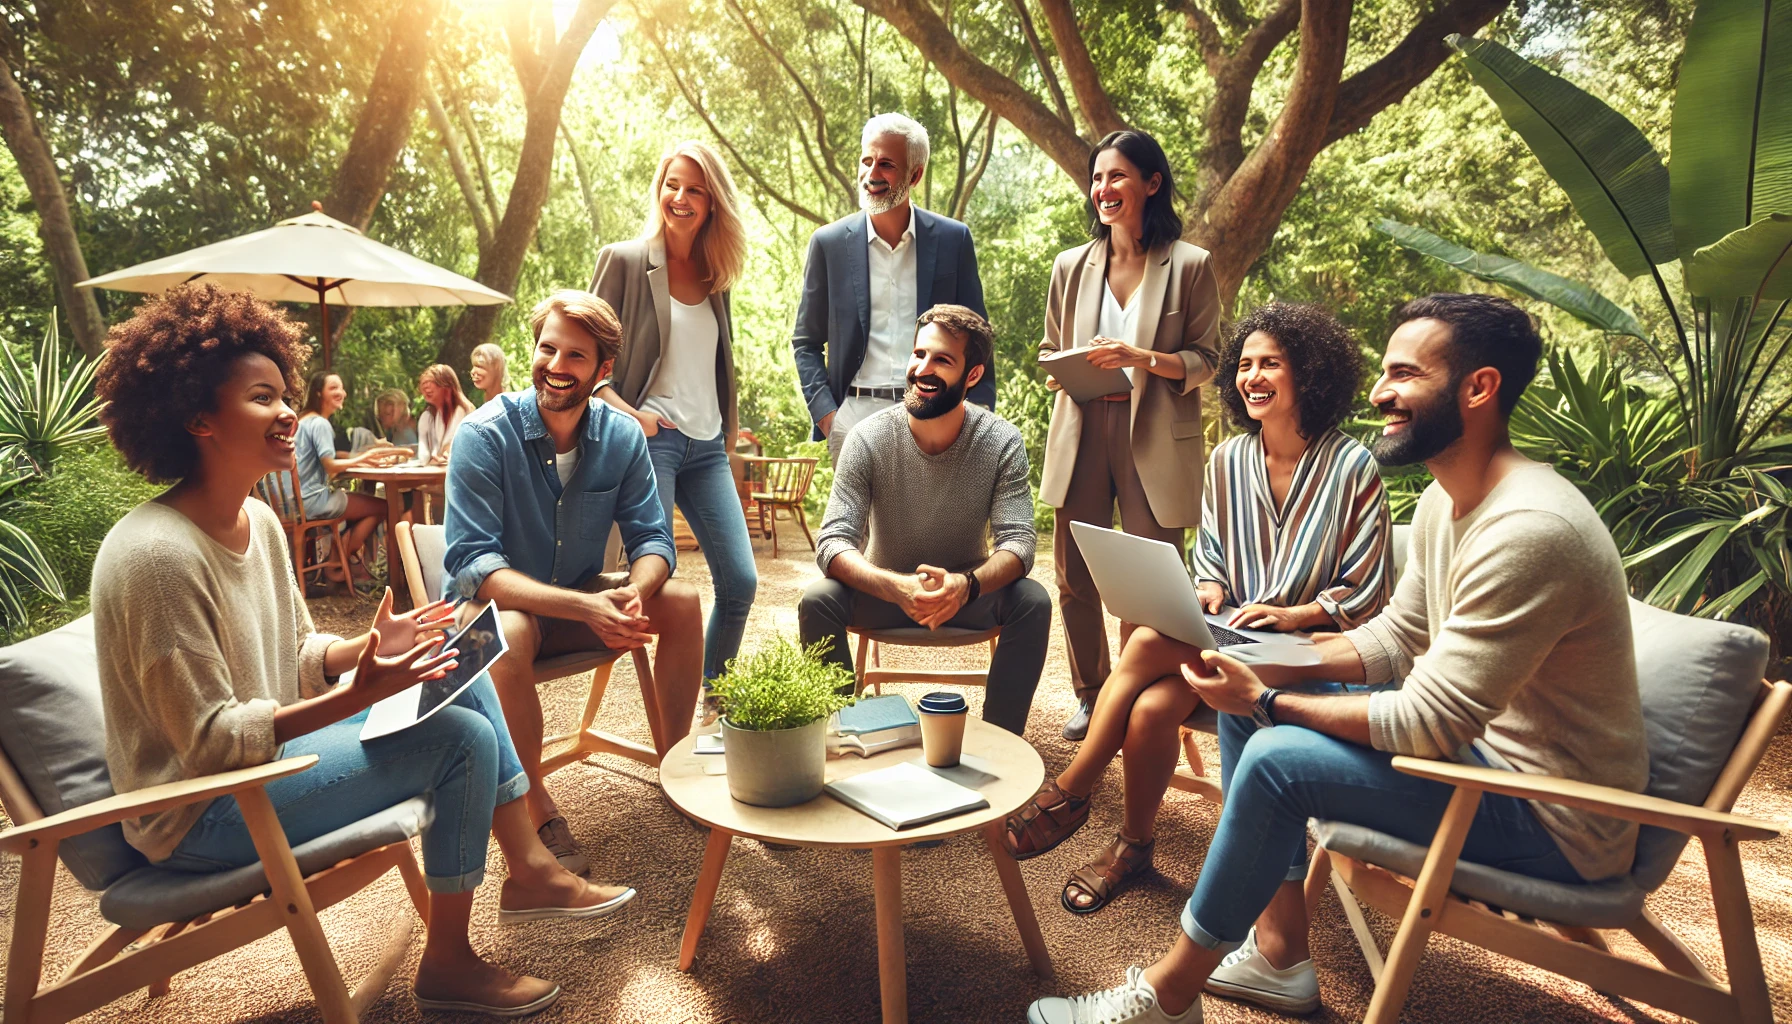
pixel 875 675
pixel 280 490
pixel 421 549
pixel 1709 717
pixel 780 485
pixel 56 790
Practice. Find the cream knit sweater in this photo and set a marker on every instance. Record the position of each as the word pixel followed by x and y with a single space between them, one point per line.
pixel 1511 629
pixel 198 646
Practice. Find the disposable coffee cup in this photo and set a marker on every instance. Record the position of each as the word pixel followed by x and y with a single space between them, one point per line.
pixel 942 728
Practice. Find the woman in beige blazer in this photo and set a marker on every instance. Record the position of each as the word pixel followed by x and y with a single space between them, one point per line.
pixel 676 371
pixel 1137 298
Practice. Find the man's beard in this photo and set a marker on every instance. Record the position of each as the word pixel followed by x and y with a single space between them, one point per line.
pixel 891 199
pixel 929 407
pixel 559 401
pixel 1432 427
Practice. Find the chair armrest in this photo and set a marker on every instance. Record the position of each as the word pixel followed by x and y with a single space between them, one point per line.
pixel 88 817
pixel 1637 807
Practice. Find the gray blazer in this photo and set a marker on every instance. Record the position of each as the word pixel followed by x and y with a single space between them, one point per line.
pixel 631 277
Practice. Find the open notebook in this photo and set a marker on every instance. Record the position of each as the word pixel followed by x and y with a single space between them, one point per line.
pixel 905 795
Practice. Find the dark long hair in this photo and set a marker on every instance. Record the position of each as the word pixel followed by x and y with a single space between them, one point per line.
pixel 1142 151
pixel 314 391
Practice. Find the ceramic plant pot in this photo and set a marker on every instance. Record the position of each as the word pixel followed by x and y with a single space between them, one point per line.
pixel 778 767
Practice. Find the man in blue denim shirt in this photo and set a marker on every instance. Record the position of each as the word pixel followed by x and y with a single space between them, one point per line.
pixel 535 481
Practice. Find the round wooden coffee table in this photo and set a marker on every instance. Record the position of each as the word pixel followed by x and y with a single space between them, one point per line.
pixel 826 822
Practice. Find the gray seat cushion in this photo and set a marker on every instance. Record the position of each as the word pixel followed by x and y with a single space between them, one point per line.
pixel 53 729
pixel 1609 904
pixel 152 895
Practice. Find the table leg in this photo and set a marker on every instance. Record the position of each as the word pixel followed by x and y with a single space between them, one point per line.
pixel 401 596
pixel 1018 902
pixel 892 962
pixel 715 855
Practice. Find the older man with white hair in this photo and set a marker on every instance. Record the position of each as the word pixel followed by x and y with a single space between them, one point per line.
pixel 868 276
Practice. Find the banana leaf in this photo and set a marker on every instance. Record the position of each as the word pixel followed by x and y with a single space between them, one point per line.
pixel 1732 127
pixel 1757 257
pixel 1570 296
pixel 1611 173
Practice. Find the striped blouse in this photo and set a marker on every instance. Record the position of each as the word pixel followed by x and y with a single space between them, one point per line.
pixel 1329 544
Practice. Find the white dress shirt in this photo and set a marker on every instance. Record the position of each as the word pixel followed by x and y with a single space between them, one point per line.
pixel 892 334
pixel 1116 321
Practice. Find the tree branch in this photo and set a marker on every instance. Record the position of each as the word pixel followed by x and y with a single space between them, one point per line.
pixel 1207 34
pixel 438 118
pixel 1234 82
pixel 963 204
pixel 1411 61
pixel 1085 81
pixel 519 30
pixel 384 125
pixel 464 114
pixel 815 109
pixel 1040 58
pixel 582 170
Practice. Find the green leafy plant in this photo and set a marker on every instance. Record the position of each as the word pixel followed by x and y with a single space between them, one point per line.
pixel 47 408
pixel 1689 460
pixel 22 565
pixel 783 686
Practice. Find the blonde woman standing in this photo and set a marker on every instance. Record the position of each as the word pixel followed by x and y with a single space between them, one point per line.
pixel 1140 299
pixel 488 371
pixel 676 371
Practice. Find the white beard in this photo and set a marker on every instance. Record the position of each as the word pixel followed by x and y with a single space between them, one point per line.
pixel 894 196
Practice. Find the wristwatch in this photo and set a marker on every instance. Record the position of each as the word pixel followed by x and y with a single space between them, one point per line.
pixel 1153 360
pixel 1263 712
pixel 974 587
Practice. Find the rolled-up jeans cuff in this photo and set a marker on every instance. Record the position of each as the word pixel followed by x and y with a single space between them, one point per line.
pixel 459 883
pixel 1297 872
pixel 511 789
pixel 1199 935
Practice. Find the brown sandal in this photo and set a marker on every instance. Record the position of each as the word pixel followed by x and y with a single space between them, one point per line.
pixel 1048 819
pixel 1104 877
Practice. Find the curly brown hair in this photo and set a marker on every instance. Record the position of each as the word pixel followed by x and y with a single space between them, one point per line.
pixel 164 366
pixel 1324 358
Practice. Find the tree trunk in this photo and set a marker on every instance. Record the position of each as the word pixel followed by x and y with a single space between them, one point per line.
pixel 55 224
pixel 385 123
pixel 547 78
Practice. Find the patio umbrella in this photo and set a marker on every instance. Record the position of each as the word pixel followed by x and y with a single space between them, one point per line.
pixel 310 258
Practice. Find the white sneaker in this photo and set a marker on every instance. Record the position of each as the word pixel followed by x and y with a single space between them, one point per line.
pixel 1246 974
pixel 1135 1002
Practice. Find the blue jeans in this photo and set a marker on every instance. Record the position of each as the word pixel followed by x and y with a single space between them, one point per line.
pixel 1285 775
pixel 461 754
pixel 696 474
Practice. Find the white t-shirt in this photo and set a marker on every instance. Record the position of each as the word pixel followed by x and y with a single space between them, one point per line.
pixel 683 389
pixel 890 339
pixel 433 435
pixel 565 464
pixel 1115 321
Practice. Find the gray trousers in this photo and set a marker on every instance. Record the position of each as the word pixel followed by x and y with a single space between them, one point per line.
pixel 1022 609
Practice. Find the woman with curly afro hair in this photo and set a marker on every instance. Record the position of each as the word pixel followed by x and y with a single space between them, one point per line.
pixel 1294 529
pixel 208 661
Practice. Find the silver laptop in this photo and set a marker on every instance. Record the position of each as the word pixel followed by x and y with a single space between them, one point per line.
pixel 1144 582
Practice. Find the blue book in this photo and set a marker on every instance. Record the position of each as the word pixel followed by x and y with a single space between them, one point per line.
pixel 873 725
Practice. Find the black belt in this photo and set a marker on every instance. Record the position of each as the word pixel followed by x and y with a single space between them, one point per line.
pixel 887 394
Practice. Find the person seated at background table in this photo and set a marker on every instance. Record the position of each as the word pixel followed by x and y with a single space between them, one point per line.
pixel 1294 527
pixel 316 460
pixel 680 385
pixel 535 482
pixel 392 410
pixel 920 492
pixel 444 408
pixel 209 662
pixel 488 370
pixel 1511 628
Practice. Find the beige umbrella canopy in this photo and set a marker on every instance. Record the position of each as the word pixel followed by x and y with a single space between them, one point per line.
pixel 312 258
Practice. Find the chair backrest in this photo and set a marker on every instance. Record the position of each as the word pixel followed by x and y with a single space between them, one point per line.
pixel 787 480
pixel 53 737
pixel 279 490
pixel 423 550
pixel 1400 539
pixel 1700 679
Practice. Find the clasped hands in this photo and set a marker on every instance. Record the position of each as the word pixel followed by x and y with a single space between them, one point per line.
pixel 931 596
pixel 618 617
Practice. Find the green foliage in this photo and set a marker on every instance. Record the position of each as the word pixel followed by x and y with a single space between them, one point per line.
pixel 782 686
pixel 23 567
pixel 47 408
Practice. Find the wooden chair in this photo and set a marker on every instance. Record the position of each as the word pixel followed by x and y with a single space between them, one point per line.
pixel 55 788
pixel 421 550
pixel 780 485
pixel 280 490
pixel 1709 719
pixel 875 675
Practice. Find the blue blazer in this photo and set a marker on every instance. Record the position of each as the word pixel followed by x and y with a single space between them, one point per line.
pixel 833 321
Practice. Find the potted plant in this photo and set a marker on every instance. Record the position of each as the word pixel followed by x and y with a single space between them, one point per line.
pixel 775 705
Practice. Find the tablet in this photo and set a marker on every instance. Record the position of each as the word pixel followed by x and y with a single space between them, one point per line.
pixel 1082 380
pixel 480 643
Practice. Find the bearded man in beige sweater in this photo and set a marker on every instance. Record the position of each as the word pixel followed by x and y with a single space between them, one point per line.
pixel 1511 633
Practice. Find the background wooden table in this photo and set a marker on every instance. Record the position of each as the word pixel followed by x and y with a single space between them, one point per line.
pixel 398 480
pixel 826 822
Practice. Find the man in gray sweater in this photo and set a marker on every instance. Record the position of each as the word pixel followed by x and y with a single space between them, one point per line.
pixel 920 492
pixel 1511 631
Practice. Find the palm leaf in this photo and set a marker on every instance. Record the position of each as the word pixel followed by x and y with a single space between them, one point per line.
pixel 1725 605
pixel 1570 296
pixel 1747 260
pixel 1732 128
pixel 1679 588
pixel 1611 173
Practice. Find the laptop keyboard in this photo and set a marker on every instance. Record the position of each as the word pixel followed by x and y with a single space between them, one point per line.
pixel 1223 637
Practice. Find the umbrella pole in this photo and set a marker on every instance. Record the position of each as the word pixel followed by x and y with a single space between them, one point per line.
pixel 323 306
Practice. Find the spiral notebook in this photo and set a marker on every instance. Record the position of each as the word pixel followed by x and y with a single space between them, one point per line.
pixel 905 795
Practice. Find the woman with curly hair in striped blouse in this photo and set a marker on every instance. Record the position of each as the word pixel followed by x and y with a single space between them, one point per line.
pixel 1294 532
